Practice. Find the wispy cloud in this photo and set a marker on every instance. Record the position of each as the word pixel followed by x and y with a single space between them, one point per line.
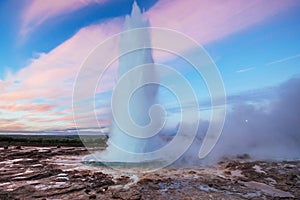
pixel 207 21
pixel 284 59
pixel 37 12
pixel 245 70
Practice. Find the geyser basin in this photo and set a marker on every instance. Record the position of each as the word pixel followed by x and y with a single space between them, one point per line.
pixel 142 164
pixel 94 160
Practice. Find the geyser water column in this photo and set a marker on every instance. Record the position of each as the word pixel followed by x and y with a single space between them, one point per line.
pixel 138 103
pixel 136 118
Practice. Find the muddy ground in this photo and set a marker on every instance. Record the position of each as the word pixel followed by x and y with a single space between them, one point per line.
pixel 58 173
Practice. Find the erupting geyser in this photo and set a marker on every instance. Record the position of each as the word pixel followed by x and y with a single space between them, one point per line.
pixel 141 100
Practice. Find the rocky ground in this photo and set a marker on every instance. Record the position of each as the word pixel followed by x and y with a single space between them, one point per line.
pixel 57 173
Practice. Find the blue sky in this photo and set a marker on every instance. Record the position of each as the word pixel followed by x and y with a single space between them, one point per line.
pixel 18 50
pixel 248 59
pixel 255 45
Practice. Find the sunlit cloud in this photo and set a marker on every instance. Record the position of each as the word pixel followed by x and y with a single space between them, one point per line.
pixel 13 126
pixel 26 107
pixel 49 78
pixel 37 12
pixel 208 21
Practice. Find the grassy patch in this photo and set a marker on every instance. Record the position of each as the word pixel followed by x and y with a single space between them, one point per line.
pixel 52 140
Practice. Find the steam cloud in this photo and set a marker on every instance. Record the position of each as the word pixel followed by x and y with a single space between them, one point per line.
pixel 268 131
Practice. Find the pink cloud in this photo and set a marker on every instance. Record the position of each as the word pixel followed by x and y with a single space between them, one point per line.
pixel 13 126
pixel 52 74
pixel 50 77
pixel 28 107
pixel 207 20
pixel 37 12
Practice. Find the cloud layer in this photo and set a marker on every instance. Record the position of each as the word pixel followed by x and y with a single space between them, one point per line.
pixel 37 12
pixel 207 21
pixel 47 82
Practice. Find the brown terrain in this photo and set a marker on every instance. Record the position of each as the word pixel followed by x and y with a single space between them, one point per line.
pixel 58 173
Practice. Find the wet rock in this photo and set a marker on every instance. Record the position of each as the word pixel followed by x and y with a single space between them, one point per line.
pixel 6 196
pixel 64 191
pixel 45 151
pixel 87 191
pixel 62 179
pixel 123 180
pixel 24 192
pixel 192 172
pixel 227 172
pixel 102 189
pixel 127 195
pixel 231 165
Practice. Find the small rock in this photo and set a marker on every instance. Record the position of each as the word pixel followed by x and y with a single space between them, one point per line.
pixel 87 190
pixel 93 196
pixel 102 189
pixel 18 147
pixel 5 147
pixel 228 172
pixel 62 179
pixel 62 174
